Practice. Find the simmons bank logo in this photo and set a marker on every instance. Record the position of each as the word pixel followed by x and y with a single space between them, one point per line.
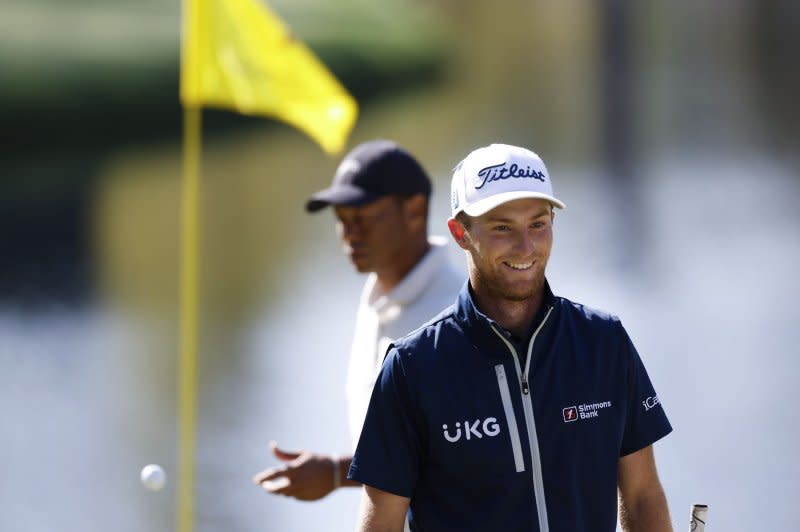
pixel 570 414
pixel 584 411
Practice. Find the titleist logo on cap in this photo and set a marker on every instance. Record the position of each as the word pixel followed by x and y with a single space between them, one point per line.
pixel 496 174
pixel 504 171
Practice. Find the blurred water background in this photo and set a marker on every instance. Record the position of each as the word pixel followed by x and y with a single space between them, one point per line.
pixel 671 131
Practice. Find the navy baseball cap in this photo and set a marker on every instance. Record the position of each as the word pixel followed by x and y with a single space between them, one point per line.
pixel 370 171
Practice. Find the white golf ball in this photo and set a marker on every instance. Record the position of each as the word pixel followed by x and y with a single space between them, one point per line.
pixel 153 477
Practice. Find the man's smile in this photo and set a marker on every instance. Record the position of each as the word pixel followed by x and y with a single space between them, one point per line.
pixel 519 265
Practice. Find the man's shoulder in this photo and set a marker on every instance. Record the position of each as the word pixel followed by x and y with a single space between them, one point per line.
pixel 441 290
pixel 586 314
pixel 428 334
pixel 444 280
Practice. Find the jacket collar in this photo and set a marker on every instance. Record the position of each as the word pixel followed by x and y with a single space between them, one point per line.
pixel 411 287
pixel 478 326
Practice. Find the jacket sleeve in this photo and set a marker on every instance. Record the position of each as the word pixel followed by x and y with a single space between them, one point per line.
pixel 646 422
pixel 388 453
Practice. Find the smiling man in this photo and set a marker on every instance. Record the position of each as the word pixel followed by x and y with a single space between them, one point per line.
pixel 514 409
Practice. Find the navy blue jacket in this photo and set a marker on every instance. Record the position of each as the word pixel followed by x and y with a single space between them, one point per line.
pixel 457 424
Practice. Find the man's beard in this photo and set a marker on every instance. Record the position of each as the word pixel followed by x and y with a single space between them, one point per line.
pixel 500 290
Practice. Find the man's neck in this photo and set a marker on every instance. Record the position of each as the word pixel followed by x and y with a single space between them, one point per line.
pixel 389 278
pixel 514 316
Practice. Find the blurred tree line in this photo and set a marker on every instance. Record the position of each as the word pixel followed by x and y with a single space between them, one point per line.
pixel 82 79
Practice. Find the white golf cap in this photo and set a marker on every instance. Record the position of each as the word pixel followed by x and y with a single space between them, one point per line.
pixel 496 174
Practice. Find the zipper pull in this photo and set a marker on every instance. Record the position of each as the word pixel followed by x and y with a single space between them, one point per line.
pixel 525 388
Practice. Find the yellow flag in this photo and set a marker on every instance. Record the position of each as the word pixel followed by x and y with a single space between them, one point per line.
pixel 237 54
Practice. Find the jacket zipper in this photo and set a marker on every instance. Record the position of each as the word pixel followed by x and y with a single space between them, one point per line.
pixel 524 375
pixel 530 421
pixel 511 419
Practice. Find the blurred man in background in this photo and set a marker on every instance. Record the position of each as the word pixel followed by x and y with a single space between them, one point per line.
pixel 380 196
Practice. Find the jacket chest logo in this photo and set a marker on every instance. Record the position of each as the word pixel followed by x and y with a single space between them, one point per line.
pixel 584 411
pixel 476 429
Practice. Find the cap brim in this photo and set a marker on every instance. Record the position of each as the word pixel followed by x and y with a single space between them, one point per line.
pixel 340 195
pixel 483 206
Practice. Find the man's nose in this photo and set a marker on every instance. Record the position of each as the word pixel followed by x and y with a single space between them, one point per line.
pixel 525 243
pixel 351 230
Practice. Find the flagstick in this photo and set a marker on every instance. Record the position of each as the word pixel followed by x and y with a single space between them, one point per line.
pixel 187 367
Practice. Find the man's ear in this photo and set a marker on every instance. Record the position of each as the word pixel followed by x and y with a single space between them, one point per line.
pixel 458 232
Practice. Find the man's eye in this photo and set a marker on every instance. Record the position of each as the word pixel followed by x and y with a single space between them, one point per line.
pixel 501 228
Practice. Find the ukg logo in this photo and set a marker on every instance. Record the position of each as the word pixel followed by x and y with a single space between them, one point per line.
pixel 476 429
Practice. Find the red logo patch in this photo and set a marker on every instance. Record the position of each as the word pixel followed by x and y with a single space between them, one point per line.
pixel 570 414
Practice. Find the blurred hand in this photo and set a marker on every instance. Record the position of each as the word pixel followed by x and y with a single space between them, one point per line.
pixel 304 475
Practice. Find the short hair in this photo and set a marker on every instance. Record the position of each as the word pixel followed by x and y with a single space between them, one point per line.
pixel 464 219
